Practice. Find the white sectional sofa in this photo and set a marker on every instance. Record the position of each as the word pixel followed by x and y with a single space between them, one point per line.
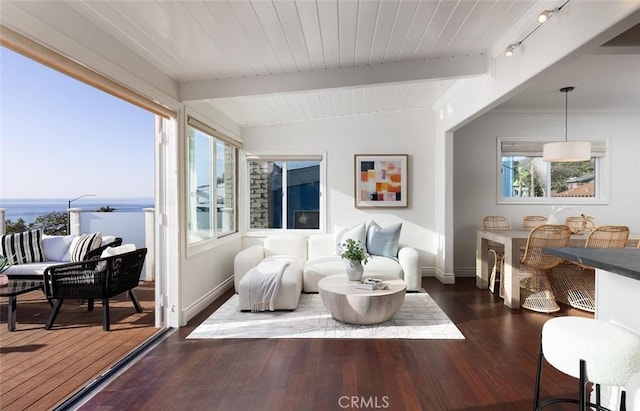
pixel 314 258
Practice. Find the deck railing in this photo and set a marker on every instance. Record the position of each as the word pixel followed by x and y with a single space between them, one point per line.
pixel 136 227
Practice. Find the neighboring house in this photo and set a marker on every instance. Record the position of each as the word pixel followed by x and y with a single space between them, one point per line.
pixel 334 92
pixel 579 187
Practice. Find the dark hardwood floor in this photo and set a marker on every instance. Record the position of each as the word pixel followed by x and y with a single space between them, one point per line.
pixel 492 369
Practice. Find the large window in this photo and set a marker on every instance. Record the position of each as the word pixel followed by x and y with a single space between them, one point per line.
pixel 525 177
pixel 284 193
pixel 212 183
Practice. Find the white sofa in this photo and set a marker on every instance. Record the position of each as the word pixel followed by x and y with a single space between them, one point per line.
pixel 57 250
pixel 314 258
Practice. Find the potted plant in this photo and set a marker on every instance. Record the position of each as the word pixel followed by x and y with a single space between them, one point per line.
pixel 354 253
pixel 4 266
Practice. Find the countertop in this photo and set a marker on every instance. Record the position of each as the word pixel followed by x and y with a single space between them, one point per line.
pixel 622 261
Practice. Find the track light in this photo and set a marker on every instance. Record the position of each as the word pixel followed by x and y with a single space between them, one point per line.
pixel 542 18
pixel 510 49
pixel 546 15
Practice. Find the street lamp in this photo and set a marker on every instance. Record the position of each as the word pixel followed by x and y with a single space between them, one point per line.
pixel 69 213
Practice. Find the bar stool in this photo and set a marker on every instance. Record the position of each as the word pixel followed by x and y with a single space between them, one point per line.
pixel 591 350
pixel 633 393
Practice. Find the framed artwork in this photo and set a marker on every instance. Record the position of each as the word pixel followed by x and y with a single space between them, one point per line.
pixel 381 180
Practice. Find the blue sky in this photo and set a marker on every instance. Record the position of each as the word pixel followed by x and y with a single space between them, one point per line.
pixel 60 138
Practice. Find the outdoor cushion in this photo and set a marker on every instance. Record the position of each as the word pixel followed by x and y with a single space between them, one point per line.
pixel 55 246
pixel 80 246
pixel 124 248
pixel 31 269
pixel 22 248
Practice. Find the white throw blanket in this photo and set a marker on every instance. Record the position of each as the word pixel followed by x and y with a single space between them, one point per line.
pixel 262 284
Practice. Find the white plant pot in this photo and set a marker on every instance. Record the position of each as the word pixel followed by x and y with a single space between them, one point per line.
pixel 354 270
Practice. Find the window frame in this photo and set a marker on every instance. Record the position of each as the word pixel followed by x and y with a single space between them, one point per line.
pixel 258 232
pixel 193 246
pixel 601 175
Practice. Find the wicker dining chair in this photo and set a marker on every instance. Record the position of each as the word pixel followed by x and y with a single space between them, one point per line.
pixel 577 224
pixel 532 221
pixel 574 283
pixel 495 222
pixel 536 292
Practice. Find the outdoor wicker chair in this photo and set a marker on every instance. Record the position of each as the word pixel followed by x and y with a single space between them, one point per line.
pixel 536 293
pixel 101 278
pixel 574 283
pixel 495 222
pixel 532 221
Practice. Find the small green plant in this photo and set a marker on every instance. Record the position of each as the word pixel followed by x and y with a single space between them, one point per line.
pixel 4 264
pixel 353 250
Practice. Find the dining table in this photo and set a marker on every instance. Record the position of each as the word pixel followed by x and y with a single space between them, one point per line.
pixel 514 241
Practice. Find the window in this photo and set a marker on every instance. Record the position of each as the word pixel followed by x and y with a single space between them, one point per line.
pixel 525 178
pixel 284 193
pixel 211 182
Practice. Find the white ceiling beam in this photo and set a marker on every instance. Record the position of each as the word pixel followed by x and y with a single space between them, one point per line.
pixel 430 69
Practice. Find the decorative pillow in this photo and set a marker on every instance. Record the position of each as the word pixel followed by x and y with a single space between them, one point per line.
pixel 111 251
pixel 56 246
pixel 356 233
pixel 22 248
pixel 83 244
pixel 383 241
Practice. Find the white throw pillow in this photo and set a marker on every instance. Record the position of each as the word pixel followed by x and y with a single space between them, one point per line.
pixel 356 233
pixel 111 251
pixel 56 246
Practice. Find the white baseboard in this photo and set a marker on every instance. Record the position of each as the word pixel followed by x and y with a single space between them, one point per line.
pixel 465 271
pixel 206 300
pixel 445 278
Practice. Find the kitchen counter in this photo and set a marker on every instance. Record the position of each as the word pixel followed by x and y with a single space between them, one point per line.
pixel 622 261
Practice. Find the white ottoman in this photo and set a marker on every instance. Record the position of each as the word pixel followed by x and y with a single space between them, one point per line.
pixel 290 285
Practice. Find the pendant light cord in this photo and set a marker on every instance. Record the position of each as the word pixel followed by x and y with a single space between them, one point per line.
pixel 566 115
pixel 566 91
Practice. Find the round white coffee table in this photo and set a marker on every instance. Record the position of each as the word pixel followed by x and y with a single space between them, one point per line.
pixel 352 305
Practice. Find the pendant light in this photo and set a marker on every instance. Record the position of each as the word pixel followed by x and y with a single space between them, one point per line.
pixel 566 151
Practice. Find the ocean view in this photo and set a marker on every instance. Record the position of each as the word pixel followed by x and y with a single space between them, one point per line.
pixel 30 209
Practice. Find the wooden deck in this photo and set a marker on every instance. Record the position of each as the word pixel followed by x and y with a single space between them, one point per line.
pixel 493 369
pixel 41 368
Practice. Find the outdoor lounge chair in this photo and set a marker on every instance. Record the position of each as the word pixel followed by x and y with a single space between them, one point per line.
pixel 101 278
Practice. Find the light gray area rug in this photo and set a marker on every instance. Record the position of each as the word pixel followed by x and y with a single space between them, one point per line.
pixel 418 318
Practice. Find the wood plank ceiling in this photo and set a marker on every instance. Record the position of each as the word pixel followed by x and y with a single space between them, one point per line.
pixel 217 41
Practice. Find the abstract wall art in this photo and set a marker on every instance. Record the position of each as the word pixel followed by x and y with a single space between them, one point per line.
pixel 381 180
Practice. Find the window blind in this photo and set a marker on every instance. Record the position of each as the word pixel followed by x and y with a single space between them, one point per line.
pixel 197 124
pixel 65 65
pixel 275 157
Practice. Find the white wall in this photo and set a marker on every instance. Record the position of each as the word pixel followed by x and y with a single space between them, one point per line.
pixel 580 27
pixel 475 167
pixel 392 133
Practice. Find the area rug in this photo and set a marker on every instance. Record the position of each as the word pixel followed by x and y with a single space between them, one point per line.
pixel 418 318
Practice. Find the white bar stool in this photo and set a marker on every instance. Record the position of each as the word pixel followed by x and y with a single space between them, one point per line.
pixel 633 393
pixel 590 350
